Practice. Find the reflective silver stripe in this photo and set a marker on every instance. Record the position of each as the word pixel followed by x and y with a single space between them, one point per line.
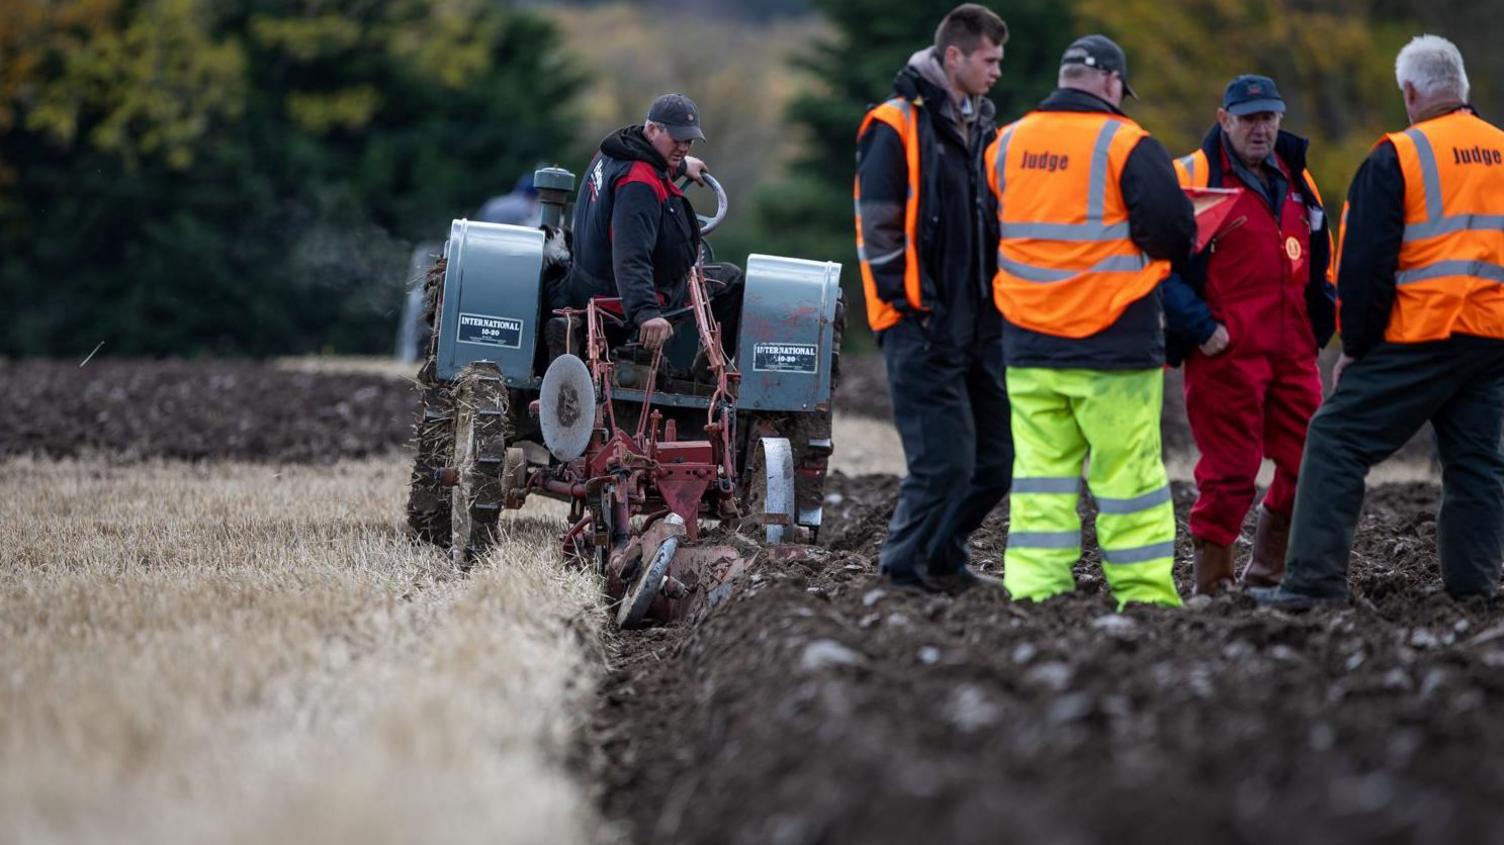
pixel 1032 273
pixel 1096 190
pixel 1134 504
pixel 1428 172
pixel 1067 231
pixel 1121 263
pixel 1044 539
pixel 1436 270
pixel 881 259
pixel 1046 484
pixel 1189 163
pixel 1140 554
pixel 1000 166
pixel 1455 223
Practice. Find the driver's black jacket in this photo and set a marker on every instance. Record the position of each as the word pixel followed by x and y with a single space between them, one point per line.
pixel 635 233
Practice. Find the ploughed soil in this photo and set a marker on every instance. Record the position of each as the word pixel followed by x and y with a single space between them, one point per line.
pixel 818 705
pixel 218 410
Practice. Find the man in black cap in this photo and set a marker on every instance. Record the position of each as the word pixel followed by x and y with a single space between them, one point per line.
pixel 636 235
pixel 1248 315
pixel 1090 217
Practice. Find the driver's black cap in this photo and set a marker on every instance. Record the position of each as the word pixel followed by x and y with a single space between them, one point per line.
pixel 1100 52
pixel 679 115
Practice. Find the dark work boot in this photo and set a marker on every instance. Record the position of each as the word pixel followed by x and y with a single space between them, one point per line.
pixel 1213 565
pixel 1266 566
pixel 1283 599
pixel 951 583
pixel 958 582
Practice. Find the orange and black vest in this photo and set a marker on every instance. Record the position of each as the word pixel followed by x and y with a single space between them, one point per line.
pixel 1450 276
pixel 901 115
pixel 1066 264
pixel 1193 172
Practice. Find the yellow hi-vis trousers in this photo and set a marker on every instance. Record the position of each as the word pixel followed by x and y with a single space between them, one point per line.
pixel 1109 421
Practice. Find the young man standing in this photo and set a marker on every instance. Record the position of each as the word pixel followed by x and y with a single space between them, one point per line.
pixel 926 235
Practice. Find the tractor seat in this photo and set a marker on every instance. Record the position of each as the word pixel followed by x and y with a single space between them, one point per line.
pixel 612 305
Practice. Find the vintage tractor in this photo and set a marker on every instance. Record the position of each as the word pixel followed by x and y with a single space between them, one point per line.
pixel 647 448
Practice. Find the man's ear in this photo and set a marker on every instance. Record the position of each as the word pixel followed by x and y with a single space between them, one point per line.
pixel 954 56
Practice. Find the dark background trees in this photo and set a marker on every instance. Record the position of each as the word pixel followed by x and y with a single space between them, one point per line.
pixel 183 177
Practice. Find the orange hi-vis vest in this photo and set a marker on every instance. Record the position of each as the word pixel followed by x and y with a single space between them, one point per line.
pixel 1450 276
pixel 899 114
pixel 1193 172
pixel 1066 264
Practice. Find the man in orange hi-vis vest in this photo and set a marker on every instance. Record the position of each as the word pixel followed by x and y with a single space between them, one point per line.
pixel 1420 284
pixel 1090 216
pixel 926 234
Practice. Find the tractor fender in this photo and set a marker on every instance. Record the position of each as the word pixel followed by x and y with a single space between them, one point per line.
pixel 492 299
pixel 787 333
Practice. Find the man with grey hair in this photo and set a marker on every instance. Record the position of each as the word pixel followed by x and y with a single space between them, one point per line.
pixel 1422 338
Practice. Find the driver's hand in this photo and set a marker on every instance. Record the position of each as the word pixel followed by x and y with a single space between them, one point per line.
pixel 654 333
pixel 695 169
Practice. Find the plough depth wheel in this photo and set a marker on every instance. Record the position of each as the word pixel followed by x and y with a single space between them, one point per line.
pixel 770 494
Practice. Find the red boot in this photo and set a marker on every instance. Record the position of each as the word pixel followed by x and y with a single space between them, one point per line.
pixel 1266 566
pixel 1213 565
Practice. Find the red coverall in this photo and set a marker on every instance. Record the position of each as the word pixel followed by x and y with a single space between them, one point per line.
pixel 1255 399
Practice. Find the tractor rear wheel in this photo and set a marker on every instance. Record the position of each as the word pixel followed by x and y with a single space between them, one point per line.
pixel 433 436
pixel 481 429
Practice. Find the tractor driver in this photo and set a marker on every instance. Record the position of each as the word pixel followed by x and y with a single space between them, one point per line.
pixel 636 235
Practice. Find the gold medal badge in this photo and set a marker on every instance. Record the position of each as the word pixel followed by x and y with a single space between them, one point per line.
pixel 1292 248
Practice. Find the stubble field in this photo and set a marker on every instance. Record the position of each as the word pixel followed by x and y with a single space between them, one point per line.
pixel 214 628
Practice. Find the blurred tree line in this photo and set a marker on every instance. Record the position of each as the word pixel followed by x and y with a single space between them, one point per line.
pixel 1333 61
pixel 238 176
pixel 246 176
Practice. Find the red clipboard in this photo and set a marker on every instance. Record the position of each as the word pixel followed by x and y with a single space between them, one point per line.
pixel 1213 207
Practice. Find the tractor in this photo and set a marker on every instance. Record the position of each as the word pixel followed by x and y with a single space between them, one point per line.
pixel 678 464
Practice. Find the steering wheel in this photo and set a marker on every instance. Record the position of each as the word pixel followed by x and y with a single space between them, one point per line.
pixel 709 224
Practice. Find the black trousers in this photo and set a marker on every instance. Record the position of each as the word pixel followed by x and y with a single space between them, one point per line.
pixel 951 410
pixel 1382 400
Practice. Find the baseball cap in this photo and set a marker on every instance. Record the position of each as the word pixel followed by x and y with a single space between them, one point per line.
pixel 1251 94
pixel 679 115
pixel 1100 52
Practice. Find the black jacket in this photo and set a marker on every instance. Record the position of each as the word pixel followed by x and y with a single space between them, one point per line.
pixel 957 230
pixel 635 233
pixel 1190 322
pixel 1160 222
